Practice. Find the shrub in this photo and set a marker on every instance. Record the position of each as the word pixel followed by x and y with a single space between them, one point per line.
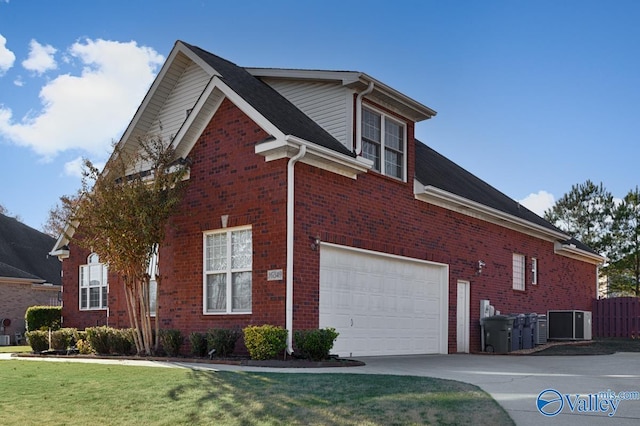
pixel 84 347
pixel 171 341
pixel 99 339
pixel 38 340
pixel 63 339
pixel 265 341
pixel 198 344
pixel 108 340
pixel 315 344
pixel 43 317
pixel 223 340
pixel 121 341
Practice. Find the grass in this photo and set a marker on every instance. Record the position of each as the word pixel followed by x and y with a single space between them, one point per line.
pixel 14 349
pixel 56 393
pixel 595 347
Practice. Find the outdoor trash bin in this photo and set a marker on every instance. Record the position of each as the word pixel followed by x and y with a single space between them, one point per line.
pixel 497 333
pixel 516 333
pixel 528 331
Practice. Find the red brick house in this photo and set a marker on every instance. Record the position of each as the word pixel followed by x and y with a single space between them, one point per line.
pixel 311 204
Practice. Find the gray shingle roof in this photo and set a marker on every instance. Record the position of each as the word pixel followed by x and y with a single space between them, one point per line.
pixel 268 102
pixel 24 253
pixel 432 168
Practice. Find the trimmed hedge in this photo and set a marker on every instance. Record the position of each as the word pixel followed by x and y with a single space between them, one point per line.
pixel 108 340
pixel 265 341
pixel 315 344
pixel 223 340
pixel 63 339
pixel 198 344
pixel 171 341
pixel 43 317
pixel 38 340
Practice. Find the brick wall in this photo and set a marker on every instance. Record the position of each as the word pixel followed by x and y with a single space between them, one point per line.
pixel 372 212
pixel 15 298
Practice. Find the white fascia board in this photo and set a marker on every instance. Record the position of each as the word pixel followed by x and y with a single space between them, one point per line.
pixel 63 239
pixel 447 200
pixel 570 250
pixel 344 77
pixel 317 156
pixel 422 112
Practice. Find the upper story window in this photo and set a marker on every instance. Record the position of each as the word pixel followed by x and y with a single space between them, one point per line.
pixel 228 261
pixel 384 143
pixel 93 284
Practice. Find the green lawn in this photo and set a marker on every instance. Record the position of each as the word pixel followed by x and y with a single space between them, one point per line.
pixel 55 393
pixel 14 349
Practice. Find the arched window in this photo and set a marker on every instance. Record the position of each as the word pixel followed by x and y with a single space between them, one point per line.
pixel 93 284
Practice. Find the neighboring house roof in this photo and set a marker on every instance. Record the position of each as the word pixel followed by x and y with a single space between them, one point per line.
pixel 24 253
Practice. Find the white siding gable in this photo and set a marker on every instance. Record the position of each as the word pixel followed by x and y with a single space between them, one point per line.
pixel 183 97
pixel 328 104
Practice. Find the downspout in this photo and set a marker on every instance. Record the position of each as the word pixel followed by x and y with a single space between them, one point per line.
pixel 361 95
pixel 290 219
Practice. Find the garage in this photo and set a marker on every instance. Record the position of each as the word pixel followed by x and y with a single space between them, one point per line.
pixel 383 304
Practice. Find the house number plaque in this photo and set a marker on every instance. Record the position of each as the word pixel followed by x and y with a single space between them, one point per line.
pixel 274 275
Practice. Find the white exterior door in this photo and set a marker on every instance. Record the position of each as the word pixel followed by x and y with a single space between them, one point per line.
pixel 462 317
pixel 382 304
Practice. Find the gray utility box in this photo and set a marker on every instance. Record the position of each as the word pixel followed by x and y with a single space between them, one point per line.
pixel 540 335
pixel 497 333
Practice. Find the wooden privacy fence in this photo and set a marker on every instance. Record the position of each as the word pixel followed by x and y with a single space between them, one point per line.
pixel 617 317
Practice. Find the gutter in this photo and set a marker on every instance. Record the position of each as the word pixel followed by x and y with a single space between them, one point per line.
pixel 361 95
pixel 290 222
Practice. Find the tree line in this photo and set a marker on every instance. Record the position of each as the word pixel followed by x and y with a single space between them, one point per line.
pixel 611 227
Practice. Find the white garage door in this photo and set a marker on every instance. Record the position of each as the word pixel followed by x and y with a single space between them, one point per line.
pixel 382 304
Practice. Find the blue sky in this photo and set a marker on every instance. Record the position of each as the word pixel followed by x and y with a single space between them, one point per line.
pixel 532 97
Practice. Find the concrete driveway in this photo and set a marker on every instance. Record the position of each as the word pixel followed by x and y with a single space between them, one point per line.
pixel 514 381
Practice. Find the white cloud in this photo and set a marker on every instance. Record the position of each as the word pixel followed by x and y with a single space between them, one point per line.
pixel 7 57
pixel 40 58
pixel 75 167
pixel 539 202
pixel 89 110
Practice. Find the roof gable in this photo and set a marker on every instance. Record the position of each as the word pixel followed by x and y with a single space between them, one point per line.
pixel 269 103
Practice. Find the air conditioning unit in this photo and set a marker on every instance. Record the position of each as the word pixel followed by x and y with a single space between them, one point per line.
pixel 4 340
pixel 569 325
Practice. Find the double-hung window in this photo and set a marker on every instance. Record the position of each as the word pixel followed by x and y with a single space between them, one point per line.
pixel 384 143
pixel 93 284
pixel 228 258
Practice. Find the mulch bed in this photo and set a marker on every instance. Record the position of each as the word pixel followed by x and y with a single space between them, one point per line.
pixel 243 361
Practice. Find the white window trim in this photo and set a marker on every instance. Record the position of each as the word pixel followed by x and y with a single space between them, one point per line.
pixel 92 260
pixel 228 310
pixel 519 277
pixel 534 270
pixel 383 117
